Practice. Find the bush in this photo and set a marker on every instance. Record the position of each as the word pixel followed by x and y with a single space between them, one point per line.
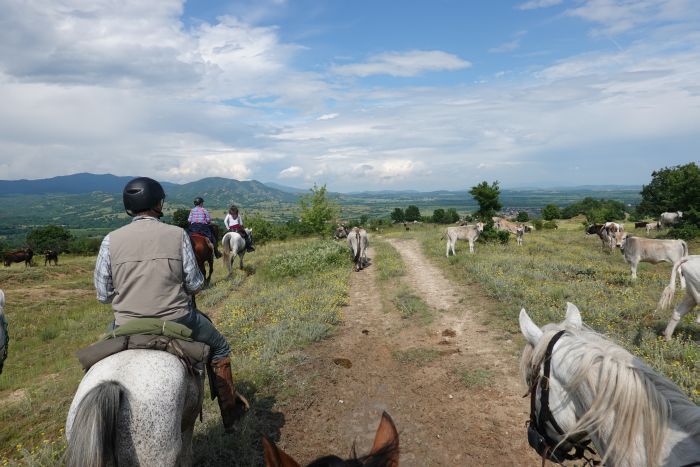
pixel 684 232
pixel 50 237
pixel 85 246
pixel 522 217
pixel 551 212
pixel 263 230
pixel 492 235
pixel 537 223
pixel 550 225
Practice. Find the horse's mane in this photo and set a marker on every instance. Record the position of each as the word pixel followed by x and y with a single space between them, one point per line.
pixel 627 397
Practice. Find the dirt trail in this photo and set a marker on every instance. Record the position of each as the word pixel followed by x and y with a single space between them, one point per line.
pixel 441 421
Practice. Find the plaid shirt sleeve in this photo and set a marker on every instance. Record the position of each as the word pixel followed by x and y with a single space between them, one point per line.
pixel 103 274
pixel 193 276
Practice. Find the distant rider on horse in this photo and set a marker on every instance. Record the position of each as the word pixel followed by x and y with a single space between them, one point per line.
pixel 200 222
pixel 233 223
pixel 147 269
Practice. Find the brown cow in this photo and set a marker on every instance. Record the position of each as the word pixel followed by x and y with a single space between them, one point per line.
pixel 51 255
pixel 19 256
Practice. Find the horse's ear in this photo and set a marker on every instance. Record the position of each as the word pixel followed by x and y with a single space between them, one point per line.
pixel 387 435
pixel 532 333
pixel 573 316
pixel 275 457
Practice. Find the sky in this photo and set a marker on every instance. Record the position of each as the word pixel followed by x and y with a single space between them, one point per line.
pixel 355 94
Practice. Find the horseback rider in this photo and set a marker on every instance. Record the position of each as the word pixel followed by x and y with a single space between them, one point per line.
pixel 233 223
pixel 200 222
pixel 147 269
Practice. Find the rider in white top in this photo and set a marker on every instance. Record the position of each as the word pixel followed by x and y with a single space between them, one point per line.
pixel 233 223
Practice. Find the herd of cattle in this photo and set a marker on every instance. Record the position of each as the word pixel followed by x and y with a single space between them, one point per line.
pixel 25 255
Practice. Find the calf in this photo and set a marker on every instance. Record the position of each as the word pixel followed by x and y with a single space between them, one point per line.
pixel 688 266
pixel 469 233
pixel 603 233
pixel 519 232
pixel 49 256
pixel 651 250
pixel 652 226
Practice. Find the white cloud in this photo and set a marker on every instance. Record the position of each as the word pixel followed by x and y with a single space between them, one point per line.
pixel 535 4
pixel 328 116
pixel 223 164
pixel 291 172
pixel 404 64
pixel 506 47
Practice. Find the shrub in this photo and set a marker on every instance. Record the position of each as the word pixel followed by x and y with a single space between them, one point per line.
pixel 551 212
pixel 538 224
pixel 684 232
pixel 50 237
pixel 550 225
pixel 263 230
pixel 522 217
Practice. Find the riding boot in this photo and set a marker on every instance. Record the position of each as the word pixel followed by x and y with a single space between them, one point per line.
pixel 232 404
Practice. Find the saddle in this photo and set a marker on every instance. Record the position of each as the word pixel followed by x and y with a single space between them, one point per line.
pixel 149 333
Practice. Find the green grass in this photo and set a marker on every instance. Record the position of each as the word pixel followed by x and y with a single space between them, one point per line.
pixel 418 356
pixel 268 313
pixel 554 267
pixel 475 377
pixel 412 306
pixel 387 261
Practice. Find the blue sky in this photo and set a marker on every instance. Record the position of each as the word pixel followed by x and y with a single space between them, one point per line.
pixel 359 95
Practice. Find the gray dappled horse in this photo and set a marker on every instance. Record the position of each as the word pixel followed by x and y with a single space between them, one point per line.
pixel 136 407
pixel 234 245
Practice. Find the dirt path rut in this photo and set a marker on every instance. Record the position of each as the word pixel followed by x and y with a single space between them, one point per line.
pixel 441 421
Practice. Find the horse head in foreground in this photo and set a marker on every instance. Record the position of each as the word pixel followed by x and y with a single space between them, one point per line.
pixel 384 452
pixel 136 407
pixel 586 389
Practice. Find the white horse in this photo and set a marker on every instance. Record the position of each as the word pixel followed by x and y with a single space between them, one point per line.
pixel 136 407
pixel 359 242
pixel 634 416
pixel 234 245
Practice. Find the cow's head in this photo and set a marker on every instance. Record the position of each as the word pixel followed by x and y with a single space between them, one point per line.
pixel 621 241
pixel 480 226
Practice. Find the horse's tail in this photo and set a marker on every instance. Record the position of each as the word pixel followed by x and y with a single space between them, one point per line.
pixel 93 435
pixel 670 290
pixel 226 241
pixel 357 250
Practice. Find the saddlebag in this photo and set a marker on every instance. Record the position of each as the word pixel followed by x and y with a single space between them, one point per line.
pixel 192 354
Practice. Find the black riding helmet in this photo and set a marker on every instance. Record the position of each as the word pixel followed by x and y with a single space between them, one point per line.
pixel 198 201
pixel 142 194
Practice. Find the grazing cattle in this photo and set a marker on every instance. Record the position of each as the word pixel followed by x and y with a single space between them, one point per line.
pixel 519 232
pixel 670 218
pixel 469 233
pixel 500 223
pixel 652 226
pixel 689 266
pixel 640 225
pixel 358 241
pixel 603 233
pixel 49 256
pixel 651 250
pixel 340 232
pixel 529 228
pixel 18 256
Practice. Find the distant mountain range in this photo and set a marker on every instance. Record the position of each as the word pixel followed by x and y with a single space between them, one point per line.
pixel 87 200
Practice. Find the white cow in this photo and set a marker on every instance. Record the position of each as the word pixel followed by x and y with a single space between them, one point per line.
pixel 689 266
pixel 465 232
pixel 670 218
pixel 359 242
pixel 652 226
pixel 651 250
pixel 519 232
pixel 500 223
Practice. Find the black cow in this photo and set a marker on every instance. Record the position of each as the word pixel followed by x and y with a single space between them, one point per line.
pixel 19 256
pixel 49 256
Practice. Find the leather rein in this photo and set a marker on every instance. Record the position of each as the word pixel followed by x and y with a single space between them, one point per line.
pixel 538 438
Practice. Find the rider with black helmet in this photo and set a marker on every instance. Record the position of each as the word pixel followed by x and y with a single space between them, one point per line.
pixel 147 269
pixel 200 222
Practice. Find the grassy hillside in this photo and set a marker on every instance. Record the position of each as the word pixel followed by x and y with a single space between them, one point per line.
pixel 556 266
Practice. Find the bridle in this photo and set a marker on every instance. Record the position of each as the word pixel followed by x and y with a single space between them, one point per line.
pixel 537 437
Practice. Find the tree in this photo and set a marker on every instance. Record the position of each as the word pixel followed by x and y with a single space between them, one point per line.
pixel 551 212
pixel 317 210
pixel 671 189
pixel 50 237
pixel 180 217
pixel 412 213
pixel 451 216
pixel 398 215
pixel 487 197
pixel 439 216
pixel 522 217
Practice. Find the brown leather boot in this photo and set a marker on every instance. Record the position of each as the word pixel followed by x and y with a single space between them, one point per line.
pixel 232 405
